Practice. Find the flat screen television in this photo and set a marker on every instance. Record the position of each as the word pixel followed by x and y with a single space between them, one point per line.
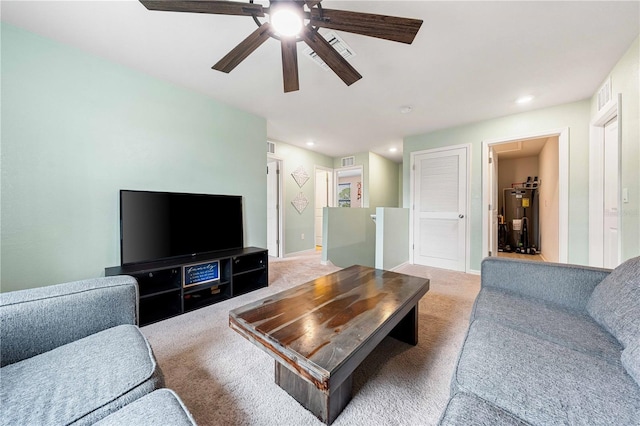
pixel 163 225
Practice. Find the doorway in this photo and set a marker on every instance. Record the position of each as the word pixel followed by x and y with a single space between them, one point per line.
pixel 349 187
pixel 605 193
pixel 525 196
pixel 439 196
pixel 527 199
pixel 274 213
pixel 611 198
pixel 323 198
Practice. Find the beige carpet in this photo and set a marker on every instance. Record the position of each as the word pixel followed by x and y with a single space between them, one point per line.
pixel 225 380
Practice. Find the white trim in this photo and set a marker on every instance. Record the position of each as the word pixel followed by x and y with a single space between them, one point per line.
pixel 412 167
pixel 563 186
pixel 300 253
pixel 468 209
pixel 395 268
pixel 468 147
pixel 596 180
pixel 330 196
pixel 563 196
pixel 474 272
pixel 280 161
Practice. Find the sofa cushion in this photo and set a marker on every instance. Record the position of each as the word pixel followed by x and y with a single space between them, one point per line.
pixel 37 320
pixel 570 328
pixel 467 409
pixel 615 302
pixel 542 382
pixel 160 407
pixel 631 360
pixel 80 382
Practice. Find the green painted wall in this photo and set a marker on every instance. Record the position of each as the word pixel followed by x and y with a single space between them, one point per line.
pixel 350 236
pixel 575 116
pixel 625 79
pixel 383 181
pixel 76 129
pixel 296 224
pixel 392 237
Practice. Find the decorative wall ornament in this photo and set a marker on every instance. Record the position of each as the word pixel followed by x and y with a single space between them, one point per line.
pixel 301 176
pixel 300 202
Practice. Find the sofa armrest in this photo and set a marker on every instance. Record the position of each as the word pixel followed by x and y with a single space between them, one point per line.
pixel 569 286
pixel 37 320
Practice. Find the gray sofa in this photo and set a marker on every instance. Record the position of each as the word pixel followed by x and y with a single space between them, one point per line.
pixel 550 344
pixel 72 354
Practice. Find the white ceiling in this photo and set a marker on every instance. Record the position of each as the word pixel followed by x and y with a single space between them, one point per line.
pixel 469 62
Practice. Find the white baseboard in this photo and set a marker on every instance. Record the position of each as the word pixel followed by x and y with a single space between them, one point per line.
pixel 301 253
pixel 395 268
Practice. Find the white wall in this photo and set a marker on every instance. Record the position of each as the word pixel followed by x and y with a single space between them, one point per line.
pixel 549 201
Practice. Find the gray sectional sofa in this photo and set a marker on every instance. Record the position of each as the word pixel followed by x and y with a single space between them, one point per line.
pixel 72 354
pixel 550 344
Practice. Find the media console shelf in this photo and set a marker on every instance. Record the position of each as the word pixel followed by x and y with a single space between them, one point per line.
pixel 168 288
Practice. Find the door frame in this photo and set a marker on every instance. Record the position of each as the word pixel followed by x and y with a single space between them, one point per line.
pixel 280 162
pixel 563 186
pixel 330 196
pixel 412 204
pixel 609 111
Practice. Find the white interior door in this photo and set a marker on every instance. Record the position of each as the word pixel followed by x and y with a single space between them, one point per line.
pixel 493 203
pixel 611 195
pixel 440 209
pixel 273 215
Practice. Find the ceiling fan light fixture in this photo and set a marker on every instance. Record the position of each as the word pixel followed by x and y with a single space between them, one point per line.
pixel 286 21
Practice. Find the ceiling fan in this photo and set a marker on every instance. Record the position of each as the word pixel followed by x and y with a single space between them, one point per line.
pixel 287 24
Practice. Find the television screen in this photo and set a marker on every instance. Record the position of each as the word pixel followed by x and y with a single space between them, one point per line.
pixel 160 225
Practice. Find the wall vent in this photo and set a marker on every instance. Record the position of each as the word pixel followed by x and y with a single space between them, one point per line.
pixel 348 161
pixel 337 43
pixel 271 148
pixel 604 94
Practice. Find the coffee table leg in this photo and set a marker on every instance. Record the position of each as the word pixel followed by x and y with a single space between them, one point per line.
pixel 407 328
pixel 324 405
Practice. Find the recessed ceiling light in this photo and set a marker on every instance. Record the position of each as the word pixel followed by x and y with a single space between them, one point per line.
pixel 393 149
pixel 311 143
pixel 524 99
pixel 405 109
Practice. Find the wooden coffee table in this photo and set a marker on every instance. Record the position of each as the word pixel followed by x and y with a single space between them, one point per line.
pixel 319 332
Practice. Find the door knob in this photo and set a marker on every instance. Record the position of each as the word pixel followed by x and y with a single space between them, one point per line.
pixel 461 216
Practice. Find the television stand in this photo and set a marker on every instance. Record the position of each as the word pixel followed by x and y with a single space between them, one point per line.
pixel 168 287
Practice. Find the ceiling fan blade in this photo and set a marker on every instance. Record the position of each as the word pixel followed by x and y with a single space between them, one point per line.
pixel 392 28
pixel 205 6
pixel 333 59
pixel 290 65
pixel 244 49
